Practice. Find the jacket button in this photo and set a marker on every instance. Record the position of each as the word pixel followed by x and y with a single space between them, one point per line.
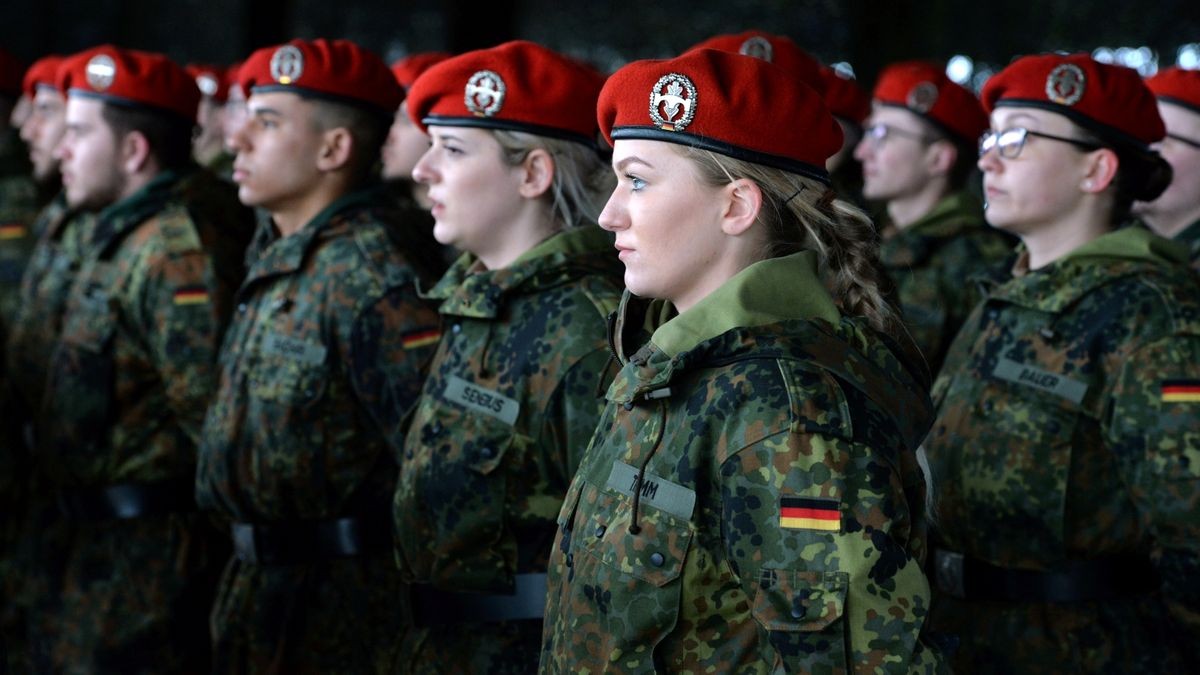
pixel 570 560
pixel 487 452
pixel 436 428
pixel 797 612
pixel 600 531
pixel 456 328
pixel 241 308
pixel 408 454
pixel 657 559
pixel 629 405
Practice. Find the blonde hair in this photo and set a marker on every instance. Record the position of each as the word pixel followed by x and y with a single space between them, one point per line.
pixel 800 213
pixel 582 181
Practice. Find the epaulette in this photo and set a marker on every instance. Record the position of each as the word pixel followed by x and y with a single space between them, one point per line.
pixel 178 231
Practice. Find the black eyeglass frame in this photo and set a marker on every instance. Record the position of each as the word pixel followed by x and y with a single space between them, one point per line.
pixel 888 130
pixel 994 138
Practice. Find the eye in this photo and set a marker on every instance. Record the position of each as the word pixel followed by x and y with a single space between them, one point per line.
pixel 635 183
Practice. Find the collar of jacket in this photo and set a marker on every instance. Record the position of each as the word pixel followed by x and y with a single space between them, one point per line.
pixel 955 214
pixel 118 219
pixel 469 290
pixel 1120 253
pixel 1190 237
pixel 281 255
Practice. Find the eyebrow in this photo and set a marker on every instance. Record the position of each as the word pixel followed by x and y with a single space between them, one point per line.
pixel 620 166
pixel 264 111
pixel 1016 116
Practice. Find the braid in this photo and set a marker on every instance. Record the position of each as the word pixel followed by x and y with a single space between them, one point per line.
pixel 800 213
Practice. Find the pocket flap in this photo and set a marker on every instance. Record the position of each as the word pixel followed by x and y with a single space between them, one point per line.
pixel 793 600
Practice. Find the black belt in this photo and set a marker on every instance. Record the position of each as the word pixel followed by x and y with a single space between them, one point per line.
pixel 307 541
pixel 432 607
pixel 128 500
pixel 1077 581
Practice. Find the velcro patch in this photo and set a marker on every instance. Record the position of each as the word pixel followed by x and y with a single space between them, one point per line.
pixel 191 295
pixel 13 231
pixel 420 338
pixel 806 513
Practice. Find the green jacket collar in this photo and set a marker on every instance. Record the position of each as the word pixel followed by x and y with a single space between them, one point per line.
pixel 118 219
pixel 767 292
pixel 468 289
pixel 1126 251
pixel 1190 237
pixel 955 214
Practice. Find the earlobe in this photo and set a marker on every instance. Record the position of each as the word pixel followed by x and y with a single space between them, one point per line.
pixel 742 208
pixel 1101 171
pixel 537 174
pixel 335 151
pixel 136 150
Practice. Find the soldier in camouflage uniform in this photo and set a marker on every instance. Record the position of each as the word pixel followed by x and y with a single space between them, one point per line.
pixel 1066 450
pixel 1176 213
pixel 58 254
pixel 751 500
pixel 917 152
pixel 133 370
pixel 321 363
pixel 20 198
pixel 514 390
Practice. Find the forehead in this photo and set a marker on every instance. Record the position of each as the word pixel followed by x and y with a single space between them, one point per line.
pixel 282 102
pixel 897 117
pixel 47 95
pixel 83 108
pixel 1034 118
pixel 655 153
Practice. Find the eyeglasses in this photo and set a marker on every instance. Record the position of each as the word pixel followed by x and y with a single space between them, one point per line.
pixel 1185 140
pixel 876 134
pixel 1009 142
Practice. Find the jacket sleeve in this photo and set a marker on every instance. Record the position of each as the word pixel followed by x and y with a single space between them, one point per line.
pixel 818 528
pixel 1154 429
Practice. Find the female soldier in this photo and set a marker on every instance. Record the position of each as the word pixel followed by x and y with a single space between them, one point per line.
pixel 1066 450
pixel 514 391
pixel 751 500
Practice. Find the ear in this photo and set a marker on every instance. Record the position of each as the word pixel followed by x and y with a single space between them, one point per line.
pixel 941 156
pixel 337 145
pixel 134 151
pixel 1099 171
pixel 744 200
pixel 537 174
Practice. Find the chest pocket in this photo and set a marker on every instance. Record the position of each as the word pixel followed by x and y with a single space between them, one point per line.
pixel 291 372
pixel 1016 463
pixel 82 377
pixel 457 500
pixel 627 585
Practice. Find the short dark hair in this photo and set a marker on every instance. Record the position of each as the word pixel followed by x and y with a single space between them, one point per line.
pixel 368 128
pixel 169 135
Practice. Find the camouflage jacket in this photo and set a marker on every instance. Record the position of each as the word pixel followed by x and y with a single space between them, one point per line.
pixel 322 361
pixel 513 396
pixel 19 204
pixel 933 262
pixel 128 384
pixel 751 500
pixel 1190 236
pixel 1068 429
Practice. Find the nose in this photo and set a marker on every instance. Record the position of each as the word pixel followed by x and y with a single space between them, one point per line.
pixel 614 217
pixel 425 172
pixel 862 149
pixel 990 160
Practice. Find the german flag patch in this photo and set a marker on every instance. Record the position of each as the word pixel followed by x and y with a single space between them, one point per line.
pixel 805 513
pixel 421 338
pixel 13 231
pixel 191 295
pixel 1181 391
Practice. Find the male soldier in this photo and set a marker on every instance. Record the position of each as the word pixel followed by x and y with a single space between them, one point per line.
pixel 405 141
pixel 19 196
pixel 209 145
pixel 134 367
pixel 62 236
pixel 1176 213
pixel 850 106
pixel 322 362
pixel 917 152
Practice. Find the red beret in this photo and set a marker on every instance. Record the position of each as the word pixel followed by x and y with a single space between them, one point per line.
pixel 1178 86
pixel 43 73
pixel 338 70
pixel 211 80
pixel 1111 101
pixel 777 49
pixel 519 86
pixel 844 97
pixel 131 78
pixel 409 68
pixel 742 107
pixel 923 88
pixel 10 74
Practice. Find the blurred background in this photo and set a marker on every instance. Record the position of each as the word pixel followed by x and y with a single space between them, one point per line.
pixel 863 34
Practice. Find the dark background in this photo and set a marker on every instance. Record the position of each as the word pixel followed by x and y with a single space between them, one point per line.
pixel 867 33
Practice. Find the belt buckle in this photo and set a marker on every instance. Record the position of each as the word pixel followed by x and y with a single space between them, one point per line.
pixel 949 570
pixel 243 542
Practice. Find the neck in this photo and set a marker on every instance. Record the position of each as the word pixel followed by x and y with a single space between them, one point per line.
pixel 904 211
pixel 1049 242
pixel 533 226
pixel 135 182
pixel 1169 225
pixel 291 217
